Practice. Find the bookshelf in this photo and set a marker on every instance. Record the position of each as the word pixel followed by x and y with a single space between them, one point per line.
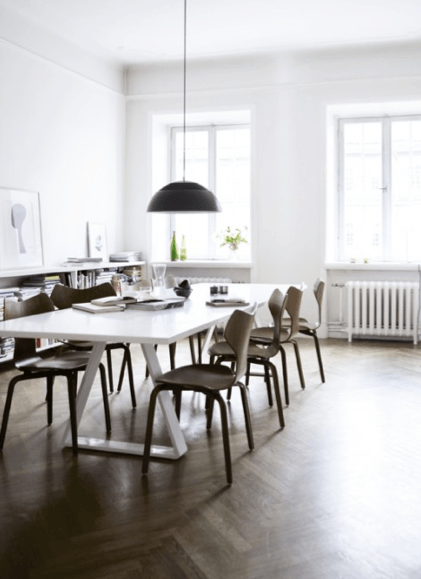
pixel 72 274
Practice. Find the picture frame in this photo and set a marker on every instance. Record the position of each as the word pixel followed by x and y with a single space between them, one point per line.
pixel 20 229
pixel 97 240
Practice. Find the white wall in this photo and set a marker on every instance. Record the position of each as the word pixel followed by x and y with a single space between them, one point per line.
pixel 63 134
pixel 289 96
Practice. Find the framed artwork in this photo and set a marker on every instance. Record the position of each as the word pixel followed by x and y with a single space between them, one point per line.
pixel 97 240
pixel 20 231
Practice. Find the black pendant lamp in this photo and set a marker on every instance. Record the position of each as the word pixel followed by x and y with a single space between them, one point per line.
pixel 184 196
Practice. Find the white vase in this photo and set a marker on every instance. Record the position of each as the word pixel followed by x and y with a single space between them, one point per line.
pixel 233 251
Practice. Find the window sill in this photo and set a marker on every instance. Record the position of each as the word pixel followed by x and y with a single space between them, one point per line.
pixel 375 265
pixel 209 263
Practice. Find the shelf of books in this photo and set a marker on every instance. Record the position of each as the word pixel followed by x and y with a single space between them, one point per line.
pixel 78 273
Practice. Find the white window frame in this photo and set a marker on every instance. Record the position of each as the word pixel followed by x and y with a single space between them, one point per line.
pixel 212 130
pixel 386 122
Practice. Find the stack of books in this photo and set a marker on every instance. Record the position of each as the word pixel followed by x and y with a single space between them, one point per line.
pixel 126 256
pixel 6 292
pixel 104 276
pixel 36 283
pixel 71 260
pixel 6 344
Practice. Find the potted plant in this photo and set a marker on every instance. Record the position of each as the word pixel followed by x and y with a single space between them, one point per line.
pixel 232 237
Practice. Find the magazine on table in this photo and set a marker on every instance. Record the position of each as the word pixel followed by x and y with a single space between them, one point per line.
pixel 140 301
pixel 226 302
pixel 95 309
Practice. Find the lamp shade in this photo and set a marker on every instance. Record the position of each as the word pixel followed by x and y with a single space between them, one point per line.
pixel 184 197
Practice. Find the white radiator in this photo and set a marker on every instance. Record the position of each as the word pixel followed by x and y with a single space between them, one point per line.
pixel 383 309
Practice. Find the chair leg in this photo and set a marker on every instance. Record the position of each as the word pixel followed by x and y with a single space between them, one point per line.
pixel 147 369
pixel 149 428
pixel 105 397
pixel 46 393
pixel 127 361
pixel 268 386
pixel 299 366
pixel 247 415
pixel 7 406
pixel 122 371
pixel 199 348
pixel 177 396
pixel 50 383
pixel 319 355
pixel 284 374
pixel 172 348
pixel 71 388
pixel 277 393
pixel 192 350
pixel 110 370
pixel 209 410
pixel 248 373
pixel 225 436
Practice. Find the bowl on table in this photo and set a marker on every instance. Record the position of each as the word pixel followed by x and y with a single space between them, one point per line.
pixel 183 292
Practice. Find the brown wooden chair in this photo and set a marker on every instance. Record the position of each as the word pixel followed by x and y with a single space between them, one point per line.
pixel 261 355
pixel 310 328
pixel 33 365
pixel 63 297
pixel 264 335
pixel 210 379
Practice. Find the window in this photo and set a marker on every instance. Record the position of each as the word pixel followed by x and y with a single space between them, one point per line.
pixel 380 188
pixel 217 157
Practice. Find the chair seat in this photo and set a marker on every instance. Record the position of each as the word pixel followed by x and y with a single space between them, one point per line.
pixel 210 376
pixel 223 349
pixel 265 334
pixel 79 344
pixel 304 325
pixel 68 361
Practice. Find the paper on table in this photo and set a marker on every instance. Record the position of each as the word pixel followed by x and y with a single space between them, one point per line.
pixel 95 309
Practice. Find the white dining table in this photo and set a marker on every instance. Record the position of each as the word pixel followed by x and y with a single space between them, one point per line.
pixel 136 326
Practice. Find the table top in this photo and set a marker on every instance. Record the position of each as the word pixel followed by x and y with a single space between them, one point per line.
pixel 159 327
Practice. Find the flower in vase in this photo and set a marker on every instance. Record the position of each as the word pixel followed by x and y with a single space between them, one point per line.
pixel 232 237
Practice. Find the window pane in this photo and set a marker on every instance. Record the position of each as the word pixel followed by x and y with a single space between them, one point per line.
pixel 218 158
pixel 197 157
pixel 195 228
pixel 406 190
pixel 362 194
pixel 233 181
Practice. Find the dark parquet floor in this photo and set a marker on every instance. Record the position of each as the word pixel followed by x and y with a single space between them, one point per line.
pixel 335 495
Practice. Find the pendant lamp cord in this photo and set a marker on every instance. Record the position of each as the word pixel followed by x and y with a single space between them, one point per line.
pixel 184 90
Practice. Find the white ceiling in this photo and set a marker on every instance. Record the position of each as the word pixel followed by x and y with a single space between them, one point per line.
pixel 143 31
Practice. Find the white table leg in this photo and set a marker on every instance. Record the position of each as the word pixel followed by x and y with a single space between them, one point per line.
pixel 85 387
pixel 207 340
pixel 179 446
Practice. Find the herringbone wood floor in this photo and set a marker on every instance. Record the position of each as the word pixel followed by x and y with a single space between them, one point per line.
pixel 335 495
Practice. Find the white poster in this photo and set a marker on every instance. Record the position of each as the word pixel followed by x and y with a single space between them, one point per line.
pixel 20 229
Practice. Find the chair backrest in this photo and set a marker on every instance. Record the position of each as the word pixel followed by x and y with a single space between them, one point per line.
pixel 277 304
pixel 237 334
pixel 293 306
pixel 64 296
pixel 318 289
pixel 39 304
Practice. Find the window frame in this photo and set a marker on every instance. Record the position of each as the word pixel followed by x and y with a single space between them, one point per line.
pixel 386 122
pixel 211 129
